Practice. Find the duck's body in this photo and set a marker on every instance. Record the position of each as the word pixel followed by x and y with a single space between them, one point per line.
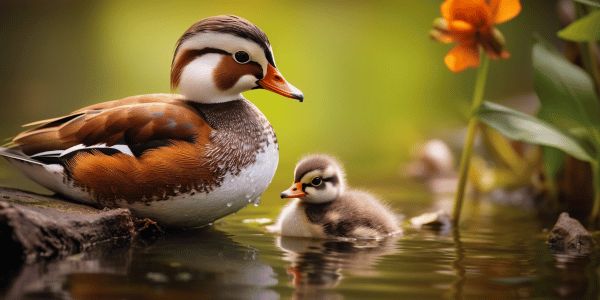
pixel 183 160
pixel 324 208
pixel 225 156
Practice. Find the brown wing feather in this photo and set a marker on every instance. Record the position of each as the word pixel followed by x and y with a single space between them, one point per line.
pixel 133 120
pixel 158 174
pixel 140 99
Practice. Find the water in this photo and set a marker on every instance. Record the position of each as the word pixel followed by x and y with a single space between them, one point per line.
pixel 499 254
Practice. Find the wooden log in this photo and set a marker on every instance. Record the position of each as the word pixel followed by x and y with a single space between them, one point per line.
pixel 34 227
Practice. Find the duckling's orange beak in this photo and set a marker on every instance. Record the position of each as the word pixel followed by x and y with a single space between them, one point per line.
pixel 274 81
pixel 295 191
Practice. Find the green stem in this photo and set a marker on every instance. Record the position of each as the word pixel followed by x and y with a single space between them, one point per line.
pixel 588 50
pixel 596 207
pixel 592 48
pixel 590 62
pixel 465 159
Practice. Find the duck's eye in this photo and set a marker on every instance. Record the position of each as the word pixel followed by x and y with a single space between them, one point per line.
pixel 316 181
pixel 241 57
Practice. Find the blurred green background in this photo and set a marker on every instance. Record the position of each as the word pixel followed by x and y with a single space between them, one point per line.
pixel 375 85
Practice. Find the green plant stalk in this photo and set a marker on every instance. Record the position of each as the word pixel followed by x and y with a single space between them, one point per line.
pixel 596 207
pixel 590 62
pixel 465 158
pixel 588 50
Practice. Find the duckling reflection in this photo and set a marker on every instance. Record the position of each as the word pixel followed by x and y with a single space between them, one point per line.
pixel 319 264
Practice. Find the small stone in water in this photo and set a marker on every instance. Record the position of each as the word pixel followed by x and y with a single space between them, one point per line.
pixel 184 276
pixel 157 277
pixel 229 204
pixel 569 236
pixel 437 220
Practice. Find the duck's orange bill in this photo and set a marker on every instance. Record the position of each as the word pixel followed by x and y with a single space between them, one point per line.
pixel 274 81
pixel 295 191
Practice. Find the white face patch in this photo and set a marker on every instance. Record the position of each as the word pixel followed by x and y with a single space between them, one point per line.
pixel 325 192
pixel 197 81
pixel 197 78
pixel 330 172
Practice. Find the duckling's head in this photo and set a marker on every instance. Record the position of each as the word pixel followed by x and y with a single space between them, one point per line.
pixel 220 57
pixel 317 179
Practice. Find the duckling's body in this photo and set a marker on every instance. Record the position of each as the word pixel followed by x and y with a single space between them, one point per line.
pixel 328 209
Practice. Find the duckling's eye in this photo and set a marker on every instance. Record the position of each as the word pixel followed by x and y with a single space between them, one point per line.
pixel 241 57
pixel 316 181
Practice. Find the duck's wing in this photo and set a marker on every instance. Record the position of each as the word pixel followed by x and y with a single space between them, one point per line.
pixel 140 99
pixel 135 148
pixel 130 125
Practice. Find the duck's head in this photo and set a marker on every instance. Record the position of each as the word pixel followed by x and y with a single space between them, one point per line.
pixel 220 57
pixel 317 179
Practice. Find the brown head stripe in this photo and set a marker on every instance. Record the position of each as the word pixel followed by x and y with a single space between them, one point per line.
pixel 228 72
pixel 233 25
pixel 315 162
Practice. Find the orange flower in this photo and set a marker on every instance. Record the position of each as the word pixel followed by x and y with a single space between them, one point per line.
pixel 470 23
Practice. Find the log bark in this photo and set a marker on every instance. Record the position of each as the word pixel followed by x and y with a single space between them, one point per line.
pixel 34 227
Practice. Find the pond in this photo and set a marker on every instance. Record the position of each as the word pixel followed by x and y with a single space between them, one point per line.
pixel 375 87
pixel 499 253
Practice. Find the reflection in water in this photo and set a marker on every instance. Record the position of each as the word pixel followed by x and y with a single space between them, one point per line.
pixel 48 280
pixel 499 254
pixel 575 284
pixel 317 265
pixel 458 265
pixel 185 265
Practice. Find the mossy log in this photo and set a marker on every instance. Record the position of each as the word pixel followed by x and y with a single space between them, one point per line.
pixel 34 226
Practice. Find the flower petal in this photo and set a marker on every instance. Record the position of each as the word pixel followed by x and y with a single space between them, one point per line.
pixel 504 10
pixel 441 36
pixel 461 27
pixel 475 12
pixel 446 13
pixel 462 56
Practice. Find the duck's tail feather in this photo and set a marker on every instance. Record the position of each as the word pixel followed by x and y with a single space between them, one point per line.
pixel 12 155
pixel 8 143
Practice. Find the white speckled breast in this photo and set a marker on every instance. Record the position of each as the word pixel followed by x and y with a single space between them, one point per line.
pixel 201 208
pixel 243 156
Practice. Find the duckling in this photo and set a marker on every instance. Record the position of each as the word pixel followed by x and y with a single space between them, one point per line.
pixel 323 207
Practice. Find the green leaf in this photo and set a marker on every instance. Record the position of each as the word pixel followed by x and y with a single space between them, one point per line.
pixel 566 92
pixel 553 161
pixel 522 127
pixel 589 2
pixel 585 29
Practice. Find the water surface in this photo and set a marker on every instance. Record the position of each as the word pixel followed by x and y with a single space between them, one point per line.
pixel 499 253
